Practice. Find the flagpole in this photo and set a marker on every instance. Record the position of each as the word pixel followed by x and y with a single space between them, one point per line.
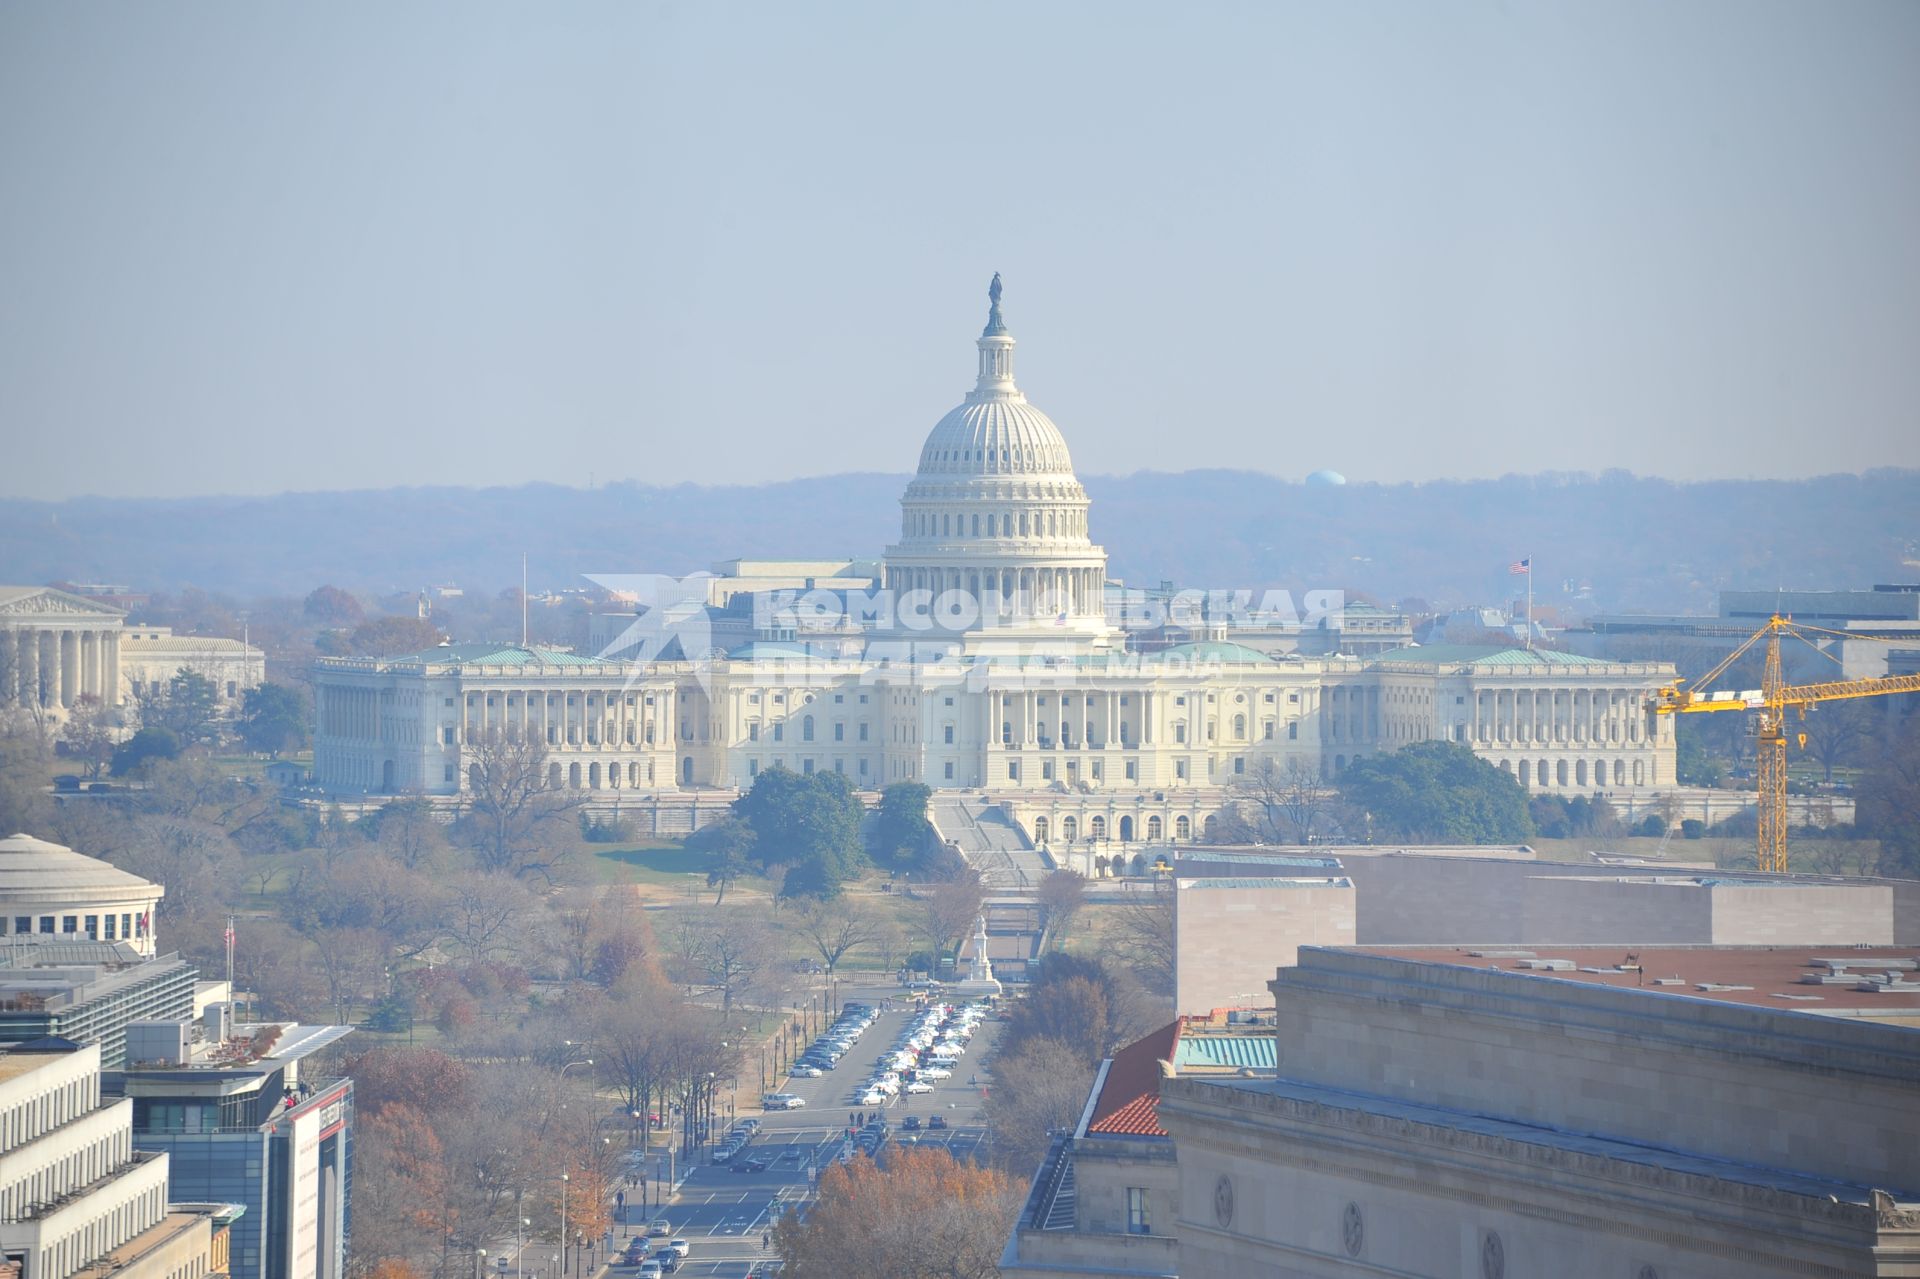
pixel 1529 603
pixel 230 998
pixel 523 599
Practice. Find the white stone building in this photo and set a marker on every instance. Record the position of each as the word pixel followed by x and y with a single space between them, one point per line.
pixel 76 1199
pixel 1583 1114
pixel 152 655
pixel 50 892
pixel 55 648
pixel 990 662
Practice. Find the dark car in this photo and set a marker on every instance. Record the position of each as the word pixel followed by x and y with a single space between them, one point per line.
pixel 749 1165
pixel 910 1123
pixel 636 1252
pixel 938 1121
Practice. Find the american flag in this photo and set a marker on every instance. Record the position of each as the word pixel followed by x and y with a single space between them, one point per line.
pixel 1521 566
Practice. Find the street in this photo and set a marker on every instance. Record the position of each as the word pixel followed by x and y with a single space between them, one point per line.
pixel 724 1214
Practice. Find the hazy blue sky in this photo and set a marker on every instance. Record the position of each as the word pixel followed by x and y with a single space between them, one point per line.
pixel 246 248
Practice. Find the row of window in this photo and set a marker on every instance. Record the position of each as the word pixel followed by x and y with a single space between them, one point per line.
pixel 34 1116
pixel 1069 523
pixel 806 730
pixel 123 927
pixel 1097 829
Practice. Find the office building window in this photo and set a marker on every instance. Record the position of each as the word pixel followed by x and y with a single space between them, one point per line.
pixel 1138 1221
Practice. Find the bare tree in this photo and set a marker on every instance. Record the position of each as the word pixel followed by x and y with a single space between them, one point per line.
pixel 1038 1089
pixel 89 734
pixel 483 913
pixel 835 927
pixel 948 911
pixel 516 821
pixel 1062 895
pixel 1277 804
pixel 1143 935
pixel 735 945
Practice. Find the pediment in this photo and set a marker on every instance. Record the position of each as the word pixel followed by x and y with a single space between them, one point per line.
pixel 54 605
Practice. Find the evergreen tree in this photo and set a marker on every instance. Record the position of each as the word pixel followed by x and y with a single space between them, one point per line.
pixel 1438 793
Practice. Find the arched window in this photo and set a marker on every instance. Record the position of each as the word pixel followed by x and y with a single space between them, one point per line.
pixel 1182 828
pixel 1126 830
pixel 1070 828
pixel 474 775
pixel 1525 774
pixel 1097 827
pixel 1006 733
pixel 686 771
pixel 1208 826
pixel 1040 830
pixel 573 776
pixel 1153 828
pixel 553 776
pixel 593 777
pixel 1239 728
pixel 806 728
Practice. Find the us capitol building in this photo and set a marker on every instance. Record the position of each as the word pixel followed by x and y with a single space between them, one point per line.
pixel 985 652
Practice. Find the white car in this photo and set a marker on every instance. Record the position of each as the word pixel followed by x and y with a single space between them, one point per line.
pixel 935 1072
pixel 804 1071
pixel 873 1097
pixel 919 1086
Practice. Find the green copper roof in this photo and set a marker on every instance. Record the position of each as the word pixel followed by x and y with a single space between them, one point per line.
pixel 1475 655
pixel 497 655
pixel 1229 1052
pixel 1216 651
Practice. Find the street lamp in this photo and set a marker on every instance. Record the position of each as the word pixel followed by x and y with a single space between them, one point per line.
pixel 479 1263
pixel 565 1192
pixel 520 1248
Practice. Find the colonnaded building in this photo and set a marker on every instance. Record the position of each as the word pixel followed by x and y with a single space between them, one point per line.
pixel 987 651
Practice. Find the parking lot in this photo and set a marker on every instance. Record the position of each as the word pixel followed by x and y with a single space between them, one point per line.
pixel 724 1210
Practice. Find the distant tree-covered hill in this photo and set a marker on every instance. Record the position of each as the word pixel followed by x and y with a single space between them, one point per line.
pixel 1614 542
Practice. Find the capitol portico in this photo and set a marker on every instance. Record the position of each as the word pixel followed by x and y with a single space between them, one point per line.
pixel 998 663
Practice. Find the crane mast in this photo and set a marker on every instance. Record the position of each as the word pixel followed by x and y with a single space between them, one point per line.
pixel 1771 702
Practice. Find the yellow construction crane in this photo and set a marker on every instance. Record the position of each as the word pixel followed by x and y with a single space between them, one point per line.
pixel 1773 699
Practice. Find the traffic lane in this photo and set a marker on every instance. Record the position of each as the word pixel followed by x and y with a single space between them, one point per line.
pixel 704 1212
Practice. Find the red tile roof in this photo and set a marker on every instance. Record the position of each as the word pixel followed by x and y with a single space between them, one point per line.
pixel 1129 1101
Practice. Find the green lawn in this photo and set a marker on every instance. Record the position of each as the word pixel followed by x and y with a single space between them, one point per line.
pixel 663 865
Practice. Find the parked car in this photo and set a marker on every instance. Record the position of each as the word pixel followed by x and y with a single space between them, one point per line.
pixel 938 1121
pixel 806 1071
pixel 911 1122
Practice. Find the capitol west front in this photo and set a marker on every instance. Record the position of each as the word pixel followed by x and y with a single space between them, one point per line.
pixel 996 670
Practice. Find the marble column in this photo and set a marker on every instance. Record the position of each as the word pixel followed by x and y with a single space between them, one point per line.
pixel 68 668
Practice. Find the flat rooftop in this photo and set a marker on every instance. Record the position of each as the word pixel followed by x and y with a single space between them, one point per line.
pixel 1840 981
pixel 16 1063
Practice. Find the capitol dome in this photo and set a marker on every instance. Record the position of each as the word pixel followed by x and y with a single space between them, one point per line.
pixel 995 512
pixel 995 434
